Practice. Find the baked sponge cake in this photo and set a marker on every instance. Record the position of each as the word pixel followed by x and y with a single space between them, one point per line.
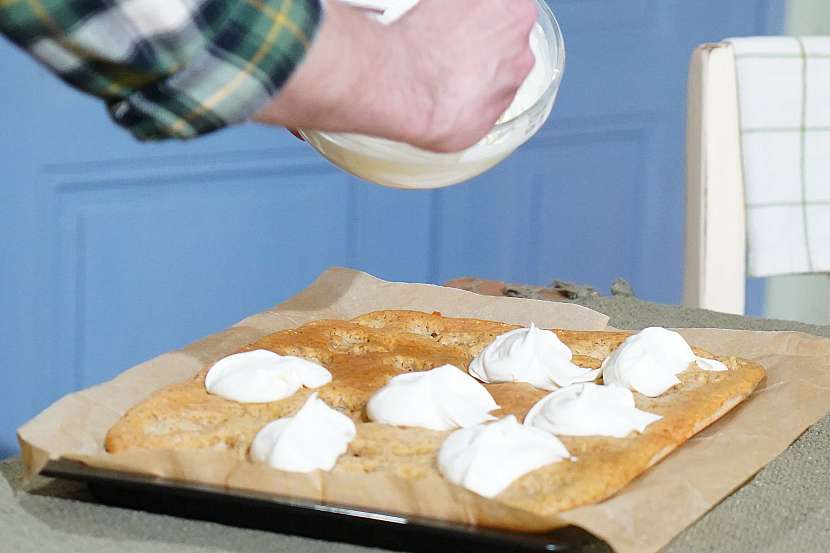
pixel 364 353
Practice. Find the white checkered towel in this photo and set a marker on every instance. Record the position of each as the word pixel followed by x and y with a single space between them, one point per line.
pixel 784 101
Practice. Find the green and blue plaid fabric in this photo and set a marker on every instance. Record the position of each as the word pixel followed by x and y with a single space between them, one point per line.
pixel 168 68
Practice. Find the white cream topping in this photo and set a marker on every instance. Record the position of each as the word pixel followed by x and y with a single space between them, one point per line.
pixel 440 399
pixel 487 458
pixel 536 81
pixel 649 361
pixel 530 355
pixel 710 364
pixel 589 410
pixel 310 440
pixel 261 376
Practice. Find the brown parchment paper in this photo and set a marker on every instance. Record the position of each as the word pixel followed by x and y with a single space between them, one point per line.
pixel 642 518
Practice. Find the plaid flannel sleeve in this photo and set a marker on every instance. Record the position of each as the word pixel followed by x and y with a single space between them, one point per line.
pixel 168 68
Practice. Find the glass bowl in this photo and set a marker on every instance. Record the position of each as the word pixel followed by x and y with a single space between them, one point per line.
pixel 398 165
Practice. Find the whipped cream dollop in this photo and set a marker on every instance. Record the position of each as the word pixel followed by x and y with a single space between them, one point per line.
pixel 589 410
pixel 649 361
pixel 261 376
pixel 440 399
pixel 310 440
pixel 530 355
pixel 487 458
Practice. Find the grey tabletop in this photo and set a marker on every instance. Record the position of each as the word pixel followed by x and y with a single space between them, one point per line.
pixel 786 507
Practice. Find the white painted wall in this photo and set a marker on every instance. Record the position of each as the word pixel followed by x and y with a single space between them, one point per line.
pixel 808 17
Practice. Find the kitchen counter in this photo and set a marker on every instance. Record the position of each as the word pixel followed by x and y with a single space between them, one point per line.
pixel 786 507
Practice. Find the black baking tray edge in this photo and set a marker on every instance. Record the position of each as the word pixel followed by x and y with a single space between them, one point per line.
pixel 322 521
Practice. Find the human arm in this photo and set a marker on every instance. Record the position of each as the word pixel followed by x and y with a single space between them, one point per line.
pixel 168 68
pixel 439 78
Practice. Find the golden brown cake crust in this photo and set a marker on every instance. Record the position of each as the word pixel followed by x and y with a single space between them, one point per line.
pixel 363 354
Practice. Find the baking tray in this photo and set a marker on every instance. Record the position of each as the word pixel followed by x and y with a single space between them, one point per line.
pixel 323 521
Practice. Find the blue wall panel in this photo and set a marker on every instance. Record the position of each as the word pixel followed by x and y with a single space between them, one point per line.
pixel 139 268
pixel 391 232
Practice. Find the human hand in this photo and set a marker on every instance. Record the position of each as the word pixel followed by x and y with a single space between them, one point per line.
pixel 468 59
pixel 439 78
